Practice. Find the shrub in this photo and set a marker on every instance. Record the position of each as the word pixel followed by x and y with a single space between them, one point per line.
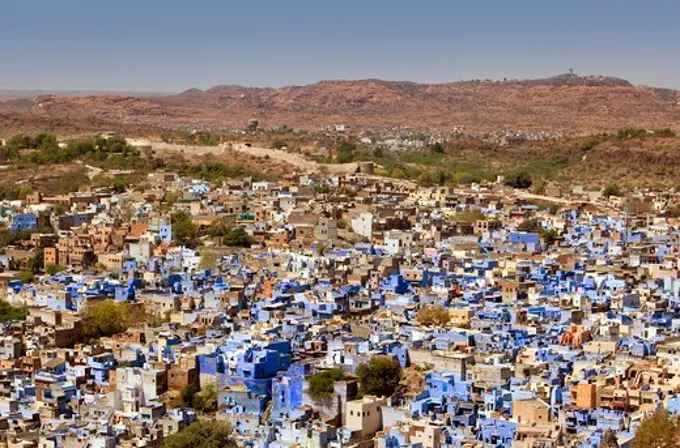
pixel 26 276
pixel 658 430
pixel 520 179
pixel 183 228
pixel 611 190
pixel 380 376
pixel 187 395
pixel 530 225
pixel 321 384
pixel 433 315
pixel 202 434
pixel 106 318
pixel 9 312
pixel 208 260
pixel 238 237
pixel 206 400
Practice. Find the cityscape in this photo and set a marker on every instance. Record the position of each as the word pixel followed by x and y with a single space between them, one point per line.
pixel 365 225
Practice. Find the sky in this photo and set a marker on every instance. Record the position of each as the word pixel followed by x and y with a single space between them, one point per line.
pixel 171 45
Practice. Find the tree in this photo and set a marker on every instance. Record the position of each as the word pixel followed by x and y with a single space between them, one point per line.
pixel 609 440
pixel 105 318
pixel 520 179
pixel 208 260
pixel 169 200
pixel 187 395
pixel 220 228
pixel 26 276
pixel 238 237
pixel 659 430
pixel 203 434
pixel 46 141
pixel 437 148
pixel 426 179
pixel 9 312
pixel 611 190
pixel 13 192
pixel 345 152
pixel 183 228
pixel 321 385
pixel 18 142
pixel 530 225
pixel 433 315
pixel 36 262
pixel 206 399
pixel 534 226
pixel 549 236
pixel 380 376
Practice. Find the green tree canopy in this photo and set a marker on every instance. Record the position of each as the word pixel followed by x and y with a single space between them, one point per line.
pixel 519 179
pixel 26 276
pixel 105 318
pixel 208 260
pixel 530 225
pixel 36 262
pixel 379 376
pixel 433 315
pixel 187 395
pixel 321 384
pixel 203 434
pixel 183 228
pixel 238 237
pixel 611 190
pixel 659 430
pixel 9 312
pixel 206 399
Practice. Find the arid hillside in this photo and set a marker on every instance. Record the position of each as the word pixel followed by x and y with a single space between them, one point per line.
pixel 567 103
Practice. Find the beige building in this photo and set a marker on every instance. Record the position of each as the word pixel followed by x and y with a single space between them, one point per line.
pixel 532 411
pixel 364 415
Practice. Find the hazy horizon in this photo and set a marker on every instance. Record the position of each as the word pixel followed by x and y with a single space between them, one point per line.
pixel 171 46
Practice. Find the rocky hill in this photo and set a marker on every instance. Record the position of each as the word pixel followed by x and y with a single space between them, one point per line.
pixel 563 103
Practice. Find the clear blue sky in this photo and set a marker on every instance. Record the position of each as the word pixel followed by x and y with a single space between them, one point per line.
pixel 171 45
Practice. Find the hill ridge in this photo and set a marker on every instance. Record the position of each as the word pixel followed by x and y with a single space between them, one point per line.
pixel 567 102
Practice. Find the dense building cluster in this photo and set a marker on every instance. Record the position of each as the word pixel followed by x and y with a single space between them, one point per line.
pixel 336 311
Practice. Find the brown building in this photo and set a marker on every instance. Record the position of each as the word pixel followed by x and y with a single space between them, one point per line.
pixel 584 395
pixel 184 373
pixel 42 240
pixel 487 225
pixel 51 256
